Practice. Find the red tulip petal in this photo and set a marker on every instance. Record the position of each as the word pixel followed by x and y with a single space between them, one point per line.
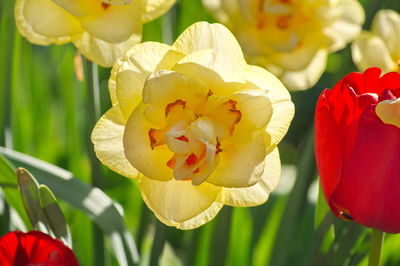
pixel 391 81
pixel 357 154
pixel 11 251
pixel 328 147
pixel 369 187
pixel 367 82
pixel 336 121
pixel 34 248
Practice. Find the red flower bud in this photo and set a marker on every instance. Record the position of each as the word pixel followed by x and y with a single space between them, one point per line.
pixel 34 248
pixel 358 154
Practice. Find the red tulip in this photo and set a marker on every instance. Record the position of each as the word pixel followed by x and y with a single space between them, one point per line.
pixel 358 152
pixel 34 248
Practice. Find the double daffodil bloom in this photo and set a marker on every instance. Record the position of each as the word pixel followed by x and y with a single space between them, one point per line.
pixel 381 46
pixel 101 29
pixel 290 38
pixel 195 124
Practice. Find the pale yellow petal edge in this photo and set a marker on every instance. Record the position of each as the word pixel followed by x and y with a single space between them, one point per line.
pixel 107 138
pixel 258 193
pixel 27 31
pixel 156 8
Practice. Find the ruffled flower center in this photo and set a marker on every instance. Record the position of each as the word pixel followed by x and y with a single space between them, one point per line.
pixel 285 21
pixel 194 135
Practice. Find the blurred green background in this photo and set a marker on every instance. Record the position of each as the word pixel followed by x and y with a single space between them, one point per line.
pixel 46 113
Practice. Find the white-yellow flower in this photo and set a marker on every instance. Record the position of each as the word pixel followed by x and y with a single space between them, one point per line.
pixel 290 38
pixel 379 47
pixel 196 124
pixel 101 29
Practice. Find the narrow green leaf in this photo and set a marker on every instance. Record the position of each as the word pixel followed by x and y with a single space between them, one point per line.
pixel 11 193
pixel 323 225
pixel 295 205
pixel 321 209
pixel 263 241
pixel 158 244
pixel 93 113
pixel 221 237
pixel 240 232
pixel 94 202
pixel 54 215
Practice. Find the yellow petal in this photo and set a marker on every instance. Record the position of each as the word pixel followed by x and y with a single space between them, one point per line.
pixel 306 78
pixel 116 24
pixel 386 25
pixel 240 165
pixel 156 8
pixel 389 112
pixel 81 8
pixel 43 22
pixel 133 70
pixel 299 58
pixel 214 67
pixel 150 162
pixel 101 52
pixel 255 107
pixel 107 137
pixel 283 108
pixel 179 203
pixel 259 192
pixel 203 36
pixel 165 87
pixel 112 82
pixel 365 50
pixel 349 16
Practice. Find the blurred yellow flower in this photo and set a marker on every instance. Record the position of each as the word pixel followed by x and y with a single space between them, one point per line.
pixel 290 38
pixel 381 46
pixel 101 29
pixel 196 124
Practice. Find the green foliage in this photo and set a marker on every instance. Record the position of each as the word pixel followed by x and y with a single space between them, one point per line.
pixel 47 113
pixel 39 203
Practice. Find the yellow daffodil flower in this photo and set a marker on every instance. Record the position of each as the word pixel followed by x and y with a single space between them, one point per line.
pixel 101 29
pixel 290 38
pixel 379 47
pixel 196 124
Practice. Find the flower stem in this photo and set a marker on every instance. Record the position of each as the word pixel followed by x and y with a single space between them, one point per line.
pixel 376 248
pixel 93 114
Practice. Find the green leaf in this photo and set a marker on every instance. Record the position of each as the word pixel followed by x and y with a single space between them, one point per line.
pixel 321 209
pixel 295 205
pixel 94 202
pixel 11 193
pixel 54 215
pixel 323 224
pixel 220 243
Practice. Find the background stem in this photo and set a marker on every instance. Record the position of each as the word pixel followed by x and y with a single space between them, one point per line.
pixel 376 248
pixel 93 114
pixel 158 244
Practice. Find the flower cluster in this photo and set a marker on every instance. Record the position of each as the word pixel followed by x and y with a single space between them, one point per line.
pixel 291 38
